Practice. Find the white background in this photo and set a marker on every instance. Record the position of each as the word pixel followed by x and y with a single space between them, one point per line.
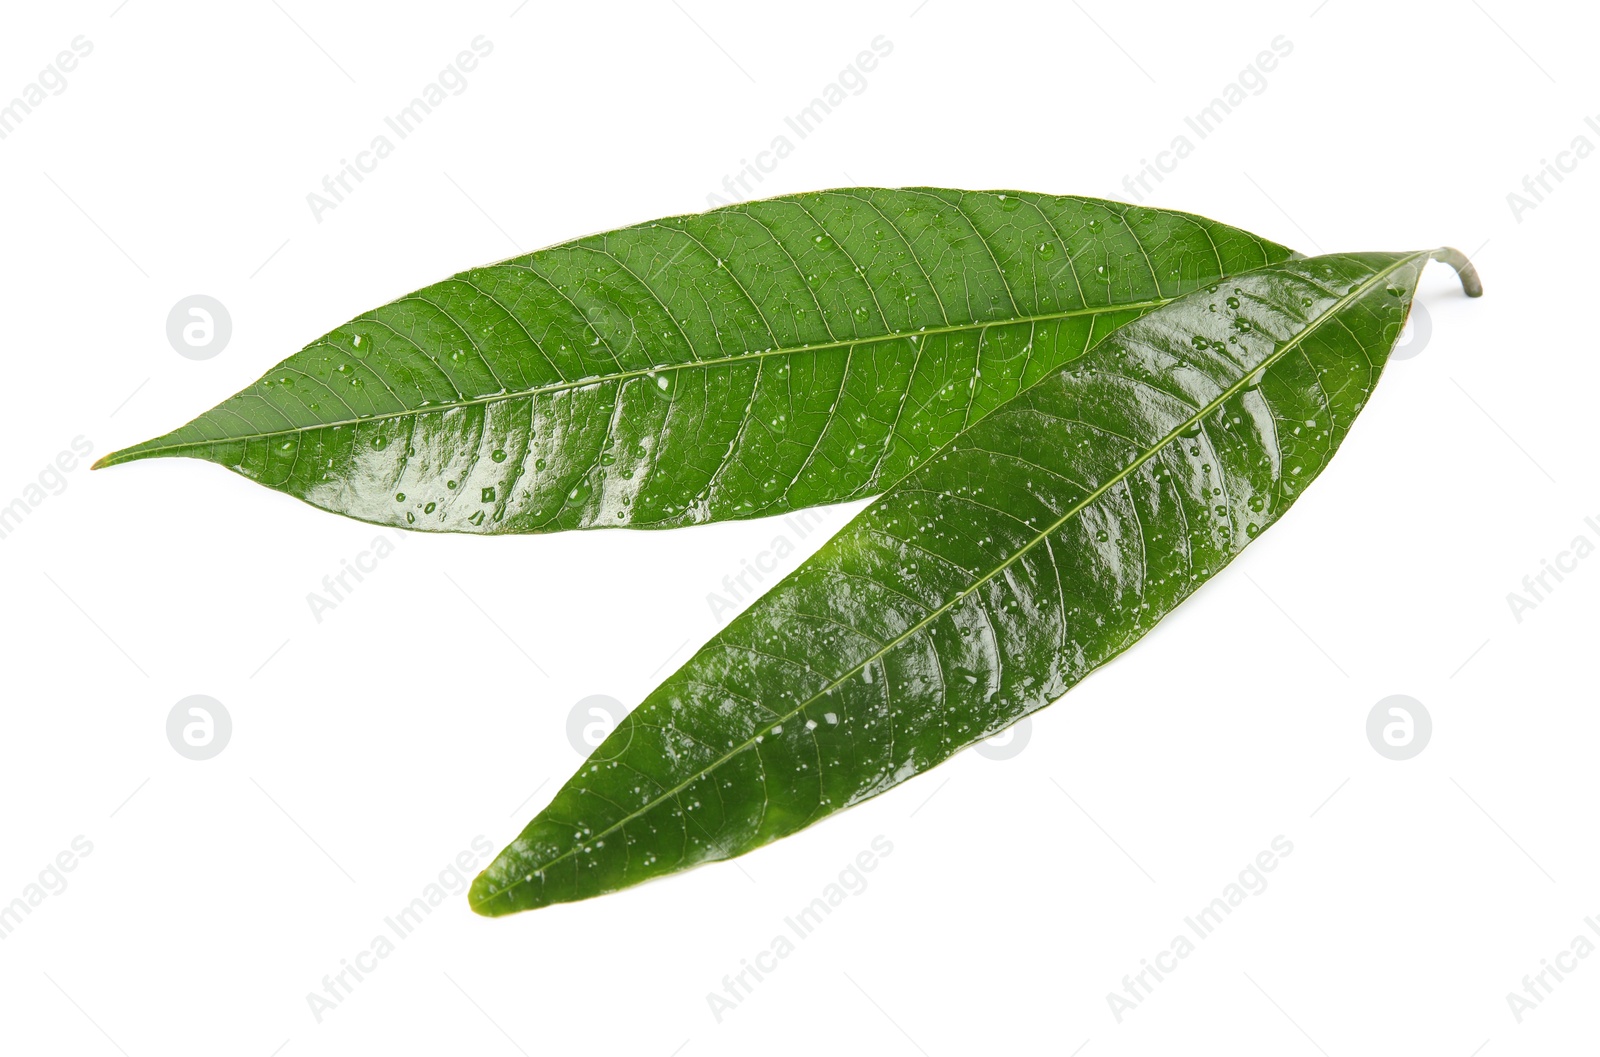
pixel 431 705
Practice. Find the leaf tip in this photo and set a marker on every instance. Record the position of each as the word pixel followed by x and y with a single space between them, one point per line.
pixel 487 898
pixel 115 458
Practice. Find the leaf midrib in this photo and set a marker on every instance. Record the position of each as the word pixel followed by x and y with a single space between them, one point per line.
pixel 1078 508
pixel 643 372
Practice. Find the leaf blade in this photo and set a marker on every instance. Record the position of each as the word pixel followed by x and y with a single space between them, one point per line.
pixel 747 361
pixel 986 583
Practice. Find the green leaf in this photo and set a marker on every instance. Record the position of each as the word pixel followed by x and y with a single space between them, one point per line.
pixel 1036 546
pixel 750 360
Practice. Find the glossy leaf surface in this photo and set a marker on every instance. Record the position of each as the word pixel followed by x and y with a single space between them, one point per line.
pixel 750 360
pixel 1037 545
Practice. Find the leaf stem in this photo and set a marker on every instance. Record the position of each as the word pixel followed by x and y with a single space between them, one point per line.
pixel 1458 260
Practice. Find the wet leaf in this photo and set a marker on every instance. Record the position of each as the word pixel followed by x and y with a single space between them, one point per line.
pixel 1034 547
pixel 750 360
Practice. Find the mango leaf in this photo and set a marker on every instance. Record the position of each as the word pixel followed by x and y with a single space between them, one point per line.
pixel 1036 546
pixel 750 360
